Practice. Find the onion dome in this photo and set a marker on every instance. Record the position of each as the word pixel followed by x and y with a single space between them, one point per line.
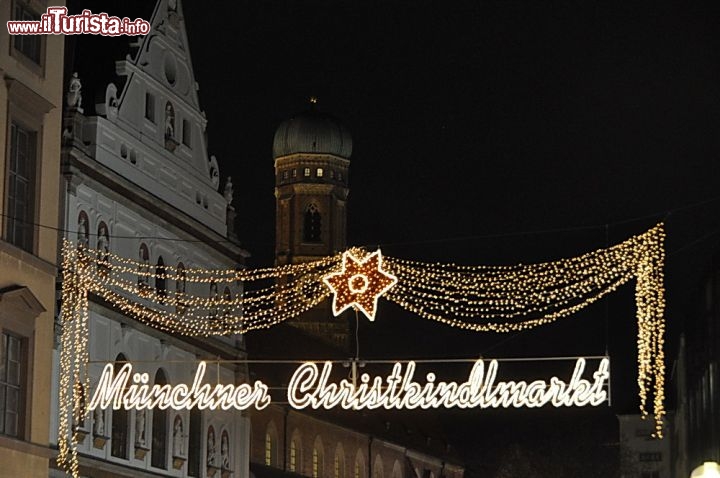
pixel 312 132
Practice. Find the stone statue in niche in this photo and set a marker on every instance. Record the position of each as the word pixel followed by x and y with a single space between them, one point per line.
pixel 225 450
pixel 140 428
pixel 83 232
pixel 214 172
pixel 99 422
pixel 178 437
pixel 169 121
pixel 228 191
pixel 73 97
pixel 103 243
pixel 211 447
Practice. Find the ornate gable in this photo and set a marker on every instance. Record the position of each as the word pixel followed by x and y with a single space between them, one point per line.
pixel 158 113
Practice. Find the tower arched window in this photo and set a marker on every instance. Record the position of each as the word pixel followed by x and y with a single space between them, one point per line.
pixel 359 471
pixel 120 422
pixel 339 462
pixel 271 445
pixel 312 224
pixel 378 467
pixel 160 280
pixel 295 452
pixel 317 459
pixel 158 451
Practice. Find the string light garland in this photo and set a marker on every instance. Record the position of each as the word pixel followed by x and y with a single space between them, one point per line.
pixel 474 298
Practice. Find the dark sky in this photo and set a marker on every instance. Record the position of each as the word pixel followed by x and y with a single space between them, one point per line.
pixel 475 125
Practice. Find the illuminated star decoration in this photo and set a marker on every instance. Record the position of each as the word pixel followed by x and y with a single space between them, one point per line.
pixel 359 283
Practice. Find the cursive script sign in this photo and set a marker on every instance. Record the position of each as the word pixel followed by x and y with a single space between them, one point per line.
pixel 312 387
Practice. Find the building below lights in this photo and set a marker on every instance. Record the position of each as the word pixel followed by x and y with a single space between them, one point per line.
pixel 138 182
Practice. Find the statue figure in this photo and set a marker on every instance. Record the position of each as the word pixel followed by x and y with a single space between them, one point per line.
pixel 83 233
pixel 169 121
pixel 99 422
pixel 74 94
pixel 140 428
pixel 103 243
pixel 228 192
pixel 225 450
pixel 178 437
pixel 211 447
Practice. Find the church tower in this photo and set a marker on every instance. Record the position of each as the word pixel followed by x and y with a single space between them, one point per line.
pixel 312 157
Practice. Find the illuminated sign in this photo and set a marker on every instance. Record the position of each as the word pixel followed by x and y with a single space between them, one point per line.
pixel 311 386
pixel 359 283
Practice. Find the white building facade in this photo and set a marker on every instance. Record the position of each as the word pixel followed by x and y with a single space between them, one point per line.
pixel 139 184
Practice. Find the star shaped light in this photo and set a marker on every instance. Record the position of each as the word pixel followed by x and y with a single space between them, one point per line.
pixel 359 283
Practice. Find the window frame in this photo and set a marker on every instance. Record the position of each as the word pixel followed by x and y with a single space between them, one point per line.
pixel 17 317
pixel 37 67
pixel 17 122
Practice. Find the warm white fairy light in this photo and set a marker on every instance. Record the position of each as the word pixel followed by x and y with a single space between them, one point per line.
pixel 476 298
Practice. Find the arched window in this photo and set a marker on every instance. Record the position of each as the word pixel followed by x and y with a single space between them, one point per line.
pixel 158 450
pixel 120 423
pixel 144 266
pixel 317 459
pixel 312 224
pixel 103 245
pixel 339 462
pixel 378 468
pixel 359 471
pixel 160 281
pixel 180 288
pixel 83 230
pixel 397 470
pixel 271 458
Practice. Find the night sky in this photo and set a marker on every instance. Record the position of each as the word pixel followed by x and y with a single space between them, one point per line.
pixel 486 133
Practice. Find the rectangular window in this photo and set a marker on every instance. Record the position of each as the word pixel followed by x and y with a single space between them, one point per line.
pixel 150 106
pixel 306 172
pixel 29 45
pixel 186 133
pixel 294 173
pixel 319 173
pixel 11 396
pixel 20 192
pixel 285 174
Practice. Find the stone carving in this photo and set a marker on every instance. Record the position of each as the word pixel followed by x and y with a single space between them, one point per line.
pixel 73 97
pixel 228 192
pixel 211 447
pixel 225 450
pixel 169 121
pixel 99 422
pixel 111 101
pixel 214 172
pixel 140 428
pixel 178 437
